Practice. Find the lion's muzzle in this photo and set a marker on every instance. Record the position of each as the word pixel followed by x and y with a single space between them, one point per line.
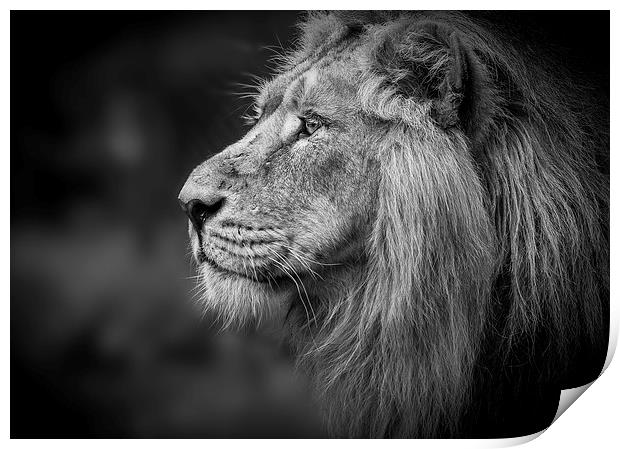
pixel 199 203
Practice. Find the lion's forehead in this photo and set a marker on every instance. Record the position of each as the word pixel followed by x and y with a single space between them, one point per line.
pixel 331 75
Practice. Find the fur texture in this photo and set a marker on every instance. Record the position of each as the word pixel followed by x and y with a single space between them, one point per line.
pixel 478 280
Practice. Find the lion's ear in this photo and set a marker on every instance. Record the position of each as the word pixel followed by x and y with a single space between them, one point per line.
pixel 427 60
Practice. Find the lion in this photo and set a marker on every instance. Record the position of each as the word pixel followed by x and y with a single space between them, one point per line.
pixel 421 207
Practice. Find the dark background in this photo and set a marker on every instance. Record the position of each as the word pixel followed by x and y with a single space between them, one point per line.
pixel 109 113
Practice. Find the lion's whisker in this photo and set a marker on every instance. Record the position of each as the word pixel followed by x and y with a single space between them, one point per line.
pixel 293 272
pixel 285 271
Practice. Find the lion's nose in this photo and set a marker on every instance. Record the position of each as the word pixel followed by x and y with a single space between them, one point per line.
pixel 199 204
pixel 198 212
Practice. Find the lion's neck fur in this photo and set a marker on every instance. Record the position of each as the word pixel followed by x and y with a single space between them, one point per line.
pixel 399 334
pixel 400 330
pixel 457 263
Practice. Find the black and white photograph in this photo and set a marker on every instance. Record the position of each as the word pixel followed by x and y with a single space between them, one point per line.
pixel 307 224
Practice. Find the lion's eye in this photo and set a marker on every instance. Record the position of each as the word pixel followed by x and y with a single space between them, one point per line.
pixel 309 126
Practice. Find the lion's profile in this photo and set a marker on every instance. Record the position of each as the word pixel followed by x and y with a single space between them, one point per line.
pixel 423 208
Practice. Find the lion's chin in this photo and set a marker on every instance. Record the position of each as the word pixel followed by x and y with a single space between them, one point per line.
pixel 241 302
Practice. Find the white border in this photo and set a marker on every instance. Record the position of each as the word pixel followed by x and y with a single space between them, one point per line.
pixel 592 421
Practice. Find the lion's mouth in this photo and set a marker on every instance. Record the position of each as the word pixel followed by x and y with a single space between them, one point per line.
pixel 256 256
pixel 203 258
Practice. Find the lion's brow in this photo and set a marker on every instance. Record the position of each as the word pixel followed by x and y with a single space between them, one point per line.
pixel 272 92
pixel 296 91
pixel 291 91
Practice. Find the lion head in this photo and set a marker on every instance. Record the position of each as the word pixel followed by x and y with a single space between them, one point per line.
pixel 419 205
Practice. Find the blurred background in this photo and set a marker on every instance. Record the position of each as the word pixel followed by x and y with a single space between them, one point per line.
pixel 109 113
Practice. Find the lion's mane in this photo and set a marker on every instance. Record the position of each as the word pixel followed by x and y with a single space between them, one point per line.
pixel 485 279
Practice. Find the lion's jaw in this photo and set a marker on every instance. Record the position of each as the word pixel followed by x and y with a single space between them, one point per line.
pixel 237 276
pixel 255 283
pixel 250 277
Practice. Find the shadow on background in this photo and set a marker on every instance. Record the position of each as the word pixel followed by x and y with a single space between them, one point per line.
pixel 109 113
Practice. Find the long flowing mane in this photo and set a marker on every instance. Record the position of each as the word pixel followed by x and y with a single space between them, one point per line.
pixel 486 274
